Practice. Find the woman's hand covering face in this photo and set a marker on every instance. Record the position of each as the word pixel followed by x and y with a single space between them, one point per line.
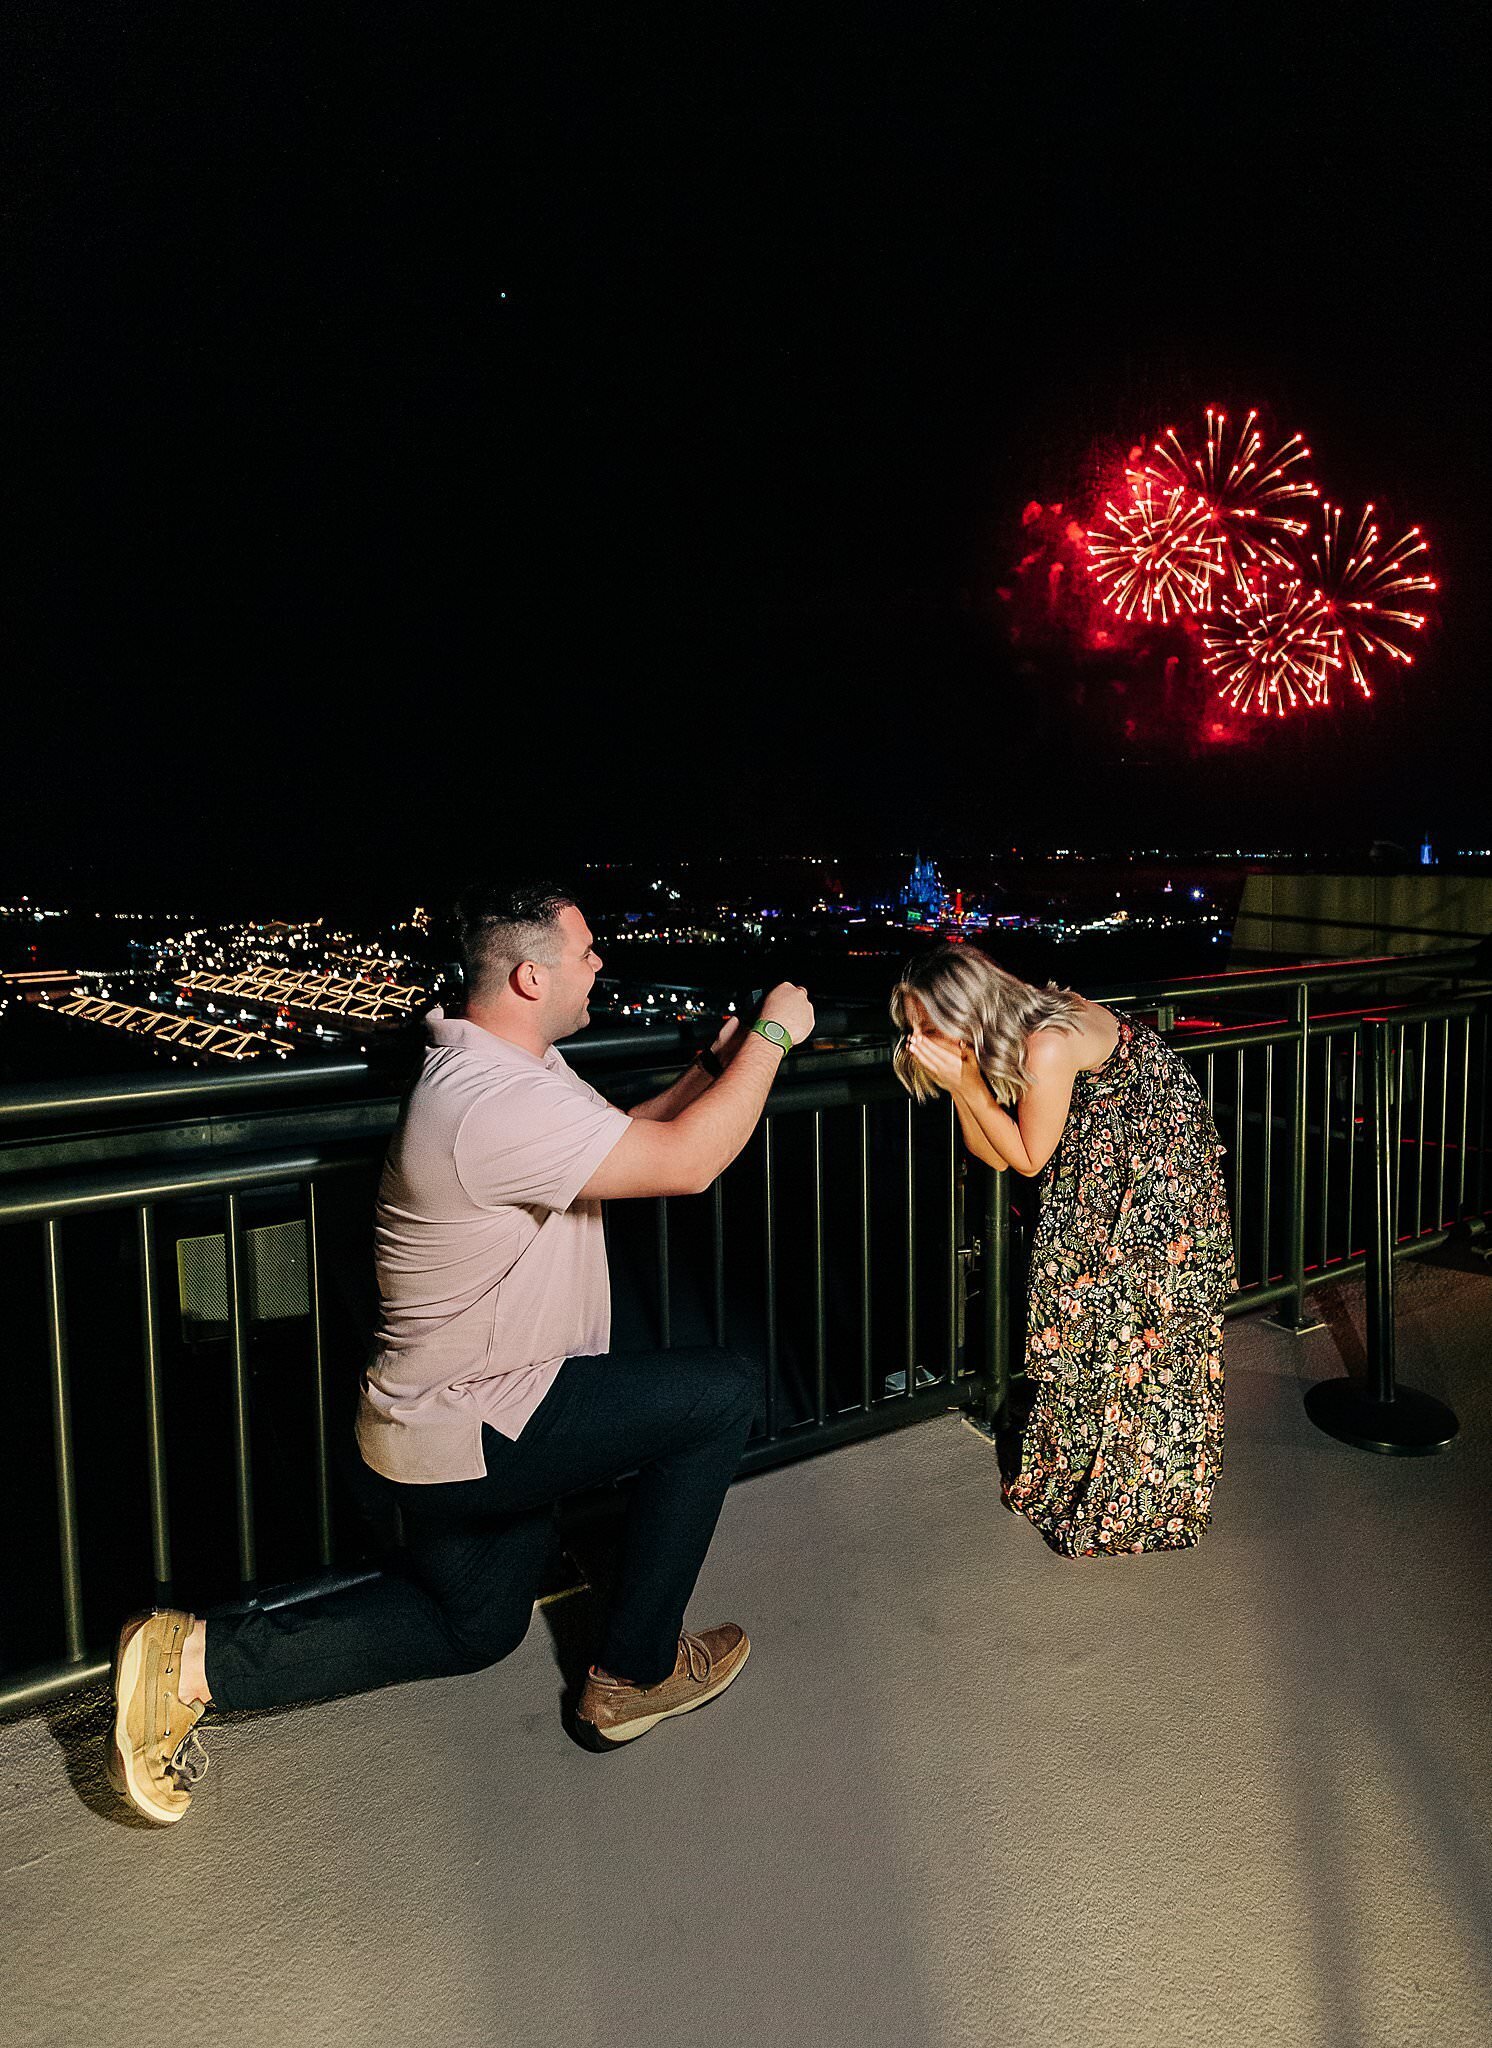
pixel 948 1064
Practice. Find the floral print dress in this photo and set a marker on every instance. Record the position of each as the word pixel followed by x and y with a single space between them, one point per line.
pixel 1131 1262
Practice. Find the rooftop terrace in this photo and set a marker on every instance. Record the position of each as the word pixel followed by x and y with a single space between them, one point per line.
pixel 966 1793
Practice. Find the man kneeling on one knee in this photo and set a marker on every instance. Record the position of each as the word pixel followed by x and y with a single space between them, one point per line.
pixel 491 1391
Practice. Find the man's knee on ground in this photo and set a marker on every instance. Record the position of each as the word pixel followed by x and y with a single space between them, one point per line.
pixel 483 1640
pixel 736 1387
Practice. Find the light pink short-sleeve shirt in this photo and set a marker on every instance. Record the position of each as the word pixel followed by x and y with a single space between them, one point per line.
pixel 490 1272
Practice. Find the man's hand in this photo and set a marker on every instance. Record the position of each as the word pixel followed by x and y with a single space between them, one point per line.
pixel 788 1005
pixel 952 1067
pixel 684 1153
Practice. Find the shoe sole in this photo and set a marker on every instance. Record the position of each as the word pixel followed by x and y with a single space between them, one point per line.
pixel 602 1740
pixel 120 1763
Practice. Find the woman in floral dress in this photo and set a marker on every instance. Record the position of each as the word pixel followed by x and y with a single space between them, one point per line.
pixel 1132 1258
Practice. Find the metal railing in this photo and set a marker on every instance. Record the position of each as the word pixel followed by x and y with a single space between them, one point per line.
pixel 852 1249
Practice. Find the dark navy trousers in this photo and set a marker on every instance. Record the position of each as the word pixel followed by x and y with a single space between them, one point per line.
pixel 476 1548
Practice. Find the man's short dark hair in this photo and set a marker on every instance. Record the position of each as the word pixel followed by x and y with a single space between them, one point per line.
pixel 501 924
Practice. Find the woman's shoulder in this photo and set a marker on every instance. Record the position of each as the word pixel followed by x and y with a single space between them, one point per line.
pixel 1050 1047
pixel 1089 1045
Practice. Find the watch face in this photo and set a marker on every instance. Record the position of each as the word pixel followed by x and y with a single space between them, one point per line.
pixel 772 1030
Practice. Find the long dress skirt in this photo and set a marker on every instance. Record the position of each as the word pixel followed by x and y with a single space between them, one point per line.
pixel 1131 1262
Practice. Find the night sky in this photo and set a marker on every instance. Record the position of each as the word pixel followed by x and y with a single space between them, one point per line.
pixel 430 444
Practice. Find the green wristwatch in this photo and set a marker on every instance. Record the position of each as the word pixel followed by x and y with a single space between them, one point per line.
pixel 774 1033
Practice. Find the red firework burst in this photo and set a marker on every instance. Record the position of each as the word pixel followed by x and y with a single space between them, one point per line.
pixel 1247 497
pixel 1362 591
pixel 1152 553
pixel 1269 646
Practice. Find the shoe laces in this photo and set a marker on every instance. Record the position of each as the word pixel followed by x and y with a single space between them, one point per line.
pixel 695 1655
pixel 188 1763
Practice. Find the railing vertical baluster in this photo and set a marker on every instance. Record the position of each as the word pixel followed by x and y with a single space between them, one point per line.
pixel 62 1444
pixel 243 1451
pixel 996 1278
pixel 1484 1126
pixel 769 1236
pixel 952 1243
pixel 1328 1046
pixel 1299 1136
pixel 1465 1116
pixel 155 1415
pixel 1233 1206
pixel 1351 1138
pixel 820 1314
pixel 865 1303
pixel 1419 1140
pixel 1401 1060
pixel 717 1251
pixel 1268 1160
pixel 318 1378
pixel 1445 1105
pixel 911 1224
pixel 665 1278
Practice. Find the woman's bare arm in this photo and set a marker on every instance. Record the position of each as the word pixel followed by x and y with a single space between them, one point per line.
pixel 974 1136
pixel 1027 1140
pixel 998 1128
pixel 988 1132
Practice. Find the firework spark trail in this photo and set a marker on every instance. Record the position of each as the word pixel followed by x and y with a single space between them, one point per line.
pixel 1361 592
pixel 1246 495
pixel 1153 554
pixel 1271 649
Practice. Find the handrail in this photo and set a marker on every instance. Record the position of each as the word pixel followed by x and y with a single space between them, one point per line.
pixel 64 1194
pixel 39 1099
pixel 1319 974
pixel 42 1102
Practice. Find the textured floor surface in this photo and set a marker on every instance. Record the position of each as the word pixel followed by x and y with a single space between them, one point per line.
pixel 966 1792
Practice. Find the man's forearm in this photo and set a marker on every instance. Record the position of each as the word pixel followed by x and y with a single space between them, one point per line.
pixel 720 1121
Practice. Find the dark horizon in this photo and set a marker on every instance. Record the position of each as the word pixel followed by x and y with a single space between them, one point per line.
pixel 441 446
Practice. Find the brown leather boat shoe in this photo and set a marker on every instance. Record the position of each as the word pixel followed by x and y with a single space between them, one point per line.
pixel 613 1712
pixel 154 1758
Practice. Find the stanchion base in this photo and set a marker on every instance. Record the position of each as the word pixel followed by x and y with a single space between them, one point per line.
pixel 1412 1425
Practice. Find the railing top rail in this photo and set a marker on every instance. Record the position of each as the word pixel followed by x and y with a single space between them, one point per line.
pixel 1428 1013
pixel 1468 959
pixel 75 1193
pixel 44 1102
pixel 1286 1032
pixel 836 1081
pixel 39 1100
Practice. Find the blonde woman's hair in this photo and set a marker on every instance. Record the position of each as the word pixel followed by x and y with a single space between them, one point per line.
pixel 968 998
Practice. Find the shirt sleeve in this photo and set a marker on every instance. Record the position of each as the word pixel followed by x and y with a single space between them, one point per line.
pixel 535 1142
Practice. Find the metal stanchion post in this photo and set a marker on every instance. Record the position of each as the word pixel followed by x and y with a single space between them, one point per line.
pixel 1381 1415
pixel 1293 1314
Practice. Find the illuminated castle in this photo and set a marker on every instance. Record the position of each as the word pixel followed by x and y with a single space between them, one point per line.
pixel 925 893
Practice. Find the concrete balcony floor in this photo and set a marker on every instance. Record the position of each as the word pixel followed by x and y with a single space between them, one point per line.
pixel 966 1793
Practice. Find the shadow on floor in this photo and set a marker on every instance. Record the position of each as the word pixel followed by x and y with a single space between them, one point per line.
pixel 81 1725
